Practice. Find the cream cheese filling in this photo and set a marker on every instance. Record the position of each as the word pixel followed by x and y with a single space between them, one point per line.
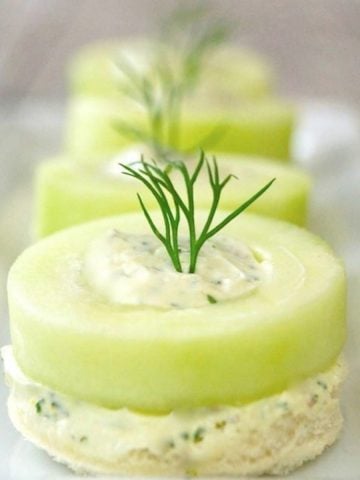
pixel 189 433
pixel 131 156
pixel 133 269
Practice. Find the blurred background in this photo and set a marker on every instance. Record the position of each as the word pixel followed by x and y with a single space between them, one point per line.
pixel 314 44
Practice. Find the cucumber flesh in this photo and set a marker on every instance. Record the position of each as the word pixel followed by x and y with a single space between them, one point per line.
pixel 261 128
pixel 69 338
pixel 67 194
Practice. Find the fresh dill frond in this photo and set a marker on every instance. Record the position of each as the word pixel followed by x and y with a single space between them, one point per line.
pixel 174 207
pixel 188 36
pixel 194 31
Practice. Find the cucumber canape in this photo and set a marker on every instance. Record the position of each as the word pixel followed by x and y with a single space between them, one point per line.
pixel 220 88
pixel 68 194
pixel 238 72
pixel 182 352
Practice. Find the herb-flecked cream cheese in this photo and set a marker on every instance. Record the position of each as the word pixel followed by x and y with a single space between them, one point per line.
pixel 133 269
pixel 277 425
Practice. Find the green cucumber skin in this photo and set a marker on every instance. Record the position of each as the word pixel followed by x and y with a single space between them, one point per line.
pixel 260 129
pixel 153 361
pixel 66 196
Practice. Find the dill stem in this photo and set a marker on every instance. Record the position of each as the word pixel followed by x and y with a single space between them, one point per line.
pixel 175 118
pixel 157 180
pixel 175 239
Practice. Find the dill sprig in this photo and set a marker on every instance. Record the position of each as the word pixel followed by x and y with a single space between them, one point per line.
pixel 153 93
pixel 173 206
pixel 193 32
pixel 188 36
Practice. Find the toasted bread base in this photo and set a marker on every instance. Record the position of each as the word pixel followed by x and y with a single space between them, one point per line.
pixel 247 445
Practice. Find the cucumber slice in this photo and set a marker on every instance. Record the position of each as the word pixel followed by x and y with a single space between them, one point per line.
pixel 232 70
pixel 67 194
pixel 232 79
pixel 257 128
pixel 69 338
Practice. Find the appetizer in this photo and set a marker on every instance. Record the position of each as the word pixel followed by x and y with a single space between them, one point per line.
pixel 178 341
pixel 219 87
pixel 93 70
pixel 67 193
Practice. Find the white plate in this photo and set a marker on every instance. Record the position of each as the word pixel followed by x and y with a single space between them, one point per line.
pixel 327 142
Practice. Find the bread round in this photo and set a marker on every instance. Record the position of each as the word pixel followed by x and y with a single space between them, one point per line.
pixel 270 436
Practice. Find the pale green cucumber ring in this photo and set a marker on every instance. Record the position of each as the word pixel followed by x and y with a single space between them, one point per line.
pixel 67 194
pixel 73 341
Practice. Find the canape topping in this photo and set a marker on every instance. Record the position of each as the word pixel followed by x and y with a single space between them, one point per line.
pixel 177 204
pixel 129 156
pixel 136 270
